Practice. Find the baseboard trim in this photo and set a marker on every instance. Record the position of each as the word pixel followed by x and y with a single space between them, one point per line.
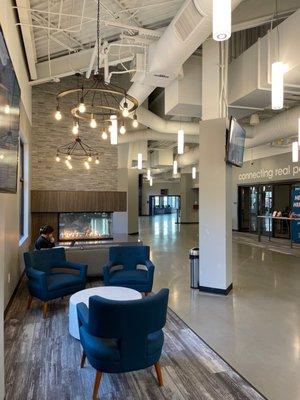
pixel 13 295
pixel 211 290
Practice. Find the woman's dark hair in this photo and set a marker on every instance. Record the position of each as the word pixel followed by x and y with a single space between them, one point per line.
pixel 45 230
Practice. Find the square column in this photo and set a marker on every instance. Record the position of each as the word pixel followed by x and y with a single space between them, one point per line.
pixel 215 182
pixel 215 214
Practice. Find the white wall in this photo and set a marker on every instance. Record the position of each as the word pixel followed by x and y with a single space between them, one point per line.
pixel 173 187
pixel 10 250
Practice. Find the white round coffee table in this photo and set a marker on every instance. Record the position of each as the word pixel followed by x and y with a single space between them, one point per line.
pixel 108 292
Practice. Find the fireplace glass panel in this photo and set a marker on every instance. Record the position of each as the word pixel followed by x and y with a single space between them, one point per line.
pixel 84 226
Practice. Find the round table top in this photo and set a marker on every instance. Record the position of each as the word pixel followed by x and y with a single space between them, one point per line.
pixel 107 292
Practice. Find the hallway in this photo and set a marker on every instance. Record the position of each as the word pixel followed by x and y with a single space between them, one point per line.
pixel 256 328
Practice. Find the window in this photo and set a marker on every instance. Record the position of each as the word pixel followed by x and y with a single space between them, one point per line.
pixel 21 191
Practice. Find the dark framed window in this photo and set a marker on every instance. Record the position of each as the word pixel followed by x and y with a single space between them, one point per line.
pixel 21 190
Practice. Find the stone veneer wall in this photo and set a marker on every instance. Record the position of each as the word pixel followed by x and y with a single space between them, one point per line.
pixel 47 134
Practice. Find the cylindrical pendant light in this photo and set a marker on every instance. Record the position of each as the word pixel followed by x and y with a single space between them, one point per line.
pixel 180 141
pixel 175 167
pixel 151 181
pixel 221 19
pixel 148 174
pixel 113 130
pixel 140 161
pixel 277 85
pixel 194 173
pixel 295 152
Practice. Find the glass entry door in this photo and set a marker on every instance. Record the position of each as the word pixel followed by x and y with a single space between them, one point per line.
pixel 253 209
pixel 253 201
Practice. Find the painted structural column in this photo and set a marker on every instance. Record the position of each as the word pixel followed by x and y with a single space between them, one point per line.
pixel 215 181
pixel 188 198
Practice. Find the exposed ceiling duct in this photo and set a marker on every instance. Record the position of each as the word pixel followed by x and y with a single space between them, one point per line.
pixel 282 125
pixel 189 29
pixel 189 158
pixel 153 121
pixel 149 134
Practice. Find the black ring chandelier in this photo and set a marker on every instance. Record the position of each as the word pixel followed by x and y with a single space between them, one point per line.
pixel 100 103
pixel 77 149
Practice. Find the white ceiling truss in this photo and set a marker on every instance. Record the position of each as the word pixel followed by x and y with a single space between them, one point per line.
pixel 57 32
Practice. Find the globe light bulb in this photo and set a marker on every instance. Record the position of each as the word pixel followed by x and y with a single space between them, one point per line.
pixel 93 123
pixel 1 156
pixel 97 161
pixel 7 109
pixel 122 130
pixel 69 157
pixel 81 106
pixel 75 129
pixel 125 110
pixel 104 135
pixel 90 159
pixel 135 123
pixel 87 165
pixel 57 158
pixel 58 115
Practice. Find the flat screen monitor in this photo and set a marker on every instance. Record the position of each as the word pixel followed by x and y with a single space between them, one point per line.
pixel 235 144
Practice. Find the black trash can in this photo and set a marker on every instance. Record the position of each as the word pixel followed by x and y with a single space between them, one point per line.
pixel 194 267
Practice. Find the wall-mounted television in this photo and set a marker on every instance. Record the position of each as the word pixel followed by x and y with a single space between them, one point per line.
pixel 9 121
pixel 235 143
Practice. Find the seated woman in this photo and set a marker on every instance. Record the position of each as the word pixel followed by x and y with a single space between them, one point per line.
pixel 46 238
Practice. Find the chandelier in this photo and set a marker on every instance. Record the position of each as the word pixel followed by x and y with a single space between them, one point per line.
pixel 77 149
pixel 102 104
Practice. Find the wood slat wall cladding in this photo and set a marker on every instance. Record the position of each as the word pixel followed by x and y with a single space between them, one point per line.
pixel 53 201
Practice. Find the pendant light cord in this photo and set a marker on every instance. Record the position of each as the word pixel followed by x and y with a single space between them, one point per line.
pixel 98 36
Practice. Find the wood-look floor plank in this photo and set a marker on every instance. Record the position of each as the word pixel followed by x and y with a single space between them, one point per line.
pixel 42 362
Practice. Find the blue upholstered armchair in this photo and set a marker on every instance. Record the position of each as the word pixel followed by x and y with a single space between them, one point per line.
pixel 50 276
pixel 122 336
pixel 129 258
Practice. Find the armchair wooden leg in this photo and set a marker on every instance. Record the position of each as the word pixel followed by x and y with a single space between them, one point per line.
pixel 45 309
pixel 159 374
pixel 97 384
pixel 30 298
pixel 83 358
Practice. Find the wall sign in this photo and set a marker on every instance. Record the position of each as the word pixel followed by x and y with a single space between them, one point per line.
pixel 296 210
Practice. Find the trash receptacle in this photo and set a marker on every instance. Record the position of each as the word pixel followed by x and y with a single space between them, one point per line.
pixel 194 267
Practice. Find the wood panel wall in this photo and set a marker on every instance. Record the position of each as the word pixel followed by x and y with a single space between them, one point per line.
pixel 50 201
pixel 47 204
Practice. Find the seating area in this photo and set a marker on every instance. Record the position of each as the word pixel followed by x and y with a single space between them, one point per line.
pixel 149 169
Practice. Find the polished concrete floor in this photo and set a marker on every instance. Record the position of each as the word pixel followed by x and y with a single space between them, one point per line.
pixel 257 327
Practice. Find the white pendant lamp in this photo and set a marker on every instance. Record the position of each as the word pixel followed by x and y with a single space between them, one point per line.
pixel 221 20
pixel 194 173
pixel 151 181
pixel 277 85
pixel 148 174
pixel 175 167
pixel 140 161
pixel 180 141
pixel 295 152
pixel 113 130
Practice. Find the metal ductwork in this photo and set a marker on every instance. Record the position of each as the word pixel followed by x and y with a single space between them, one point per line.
pixel 189 158
pixel 158 124
pixel 149 134
pixel 189 29
pixel 282 125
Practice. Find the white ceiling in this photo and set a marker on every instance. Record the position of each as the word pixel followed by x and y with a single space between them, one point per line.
pixel 60 27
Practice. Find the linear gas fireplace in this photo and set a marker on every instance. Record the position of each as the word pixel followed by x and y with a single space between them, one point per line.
pixel 74 226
